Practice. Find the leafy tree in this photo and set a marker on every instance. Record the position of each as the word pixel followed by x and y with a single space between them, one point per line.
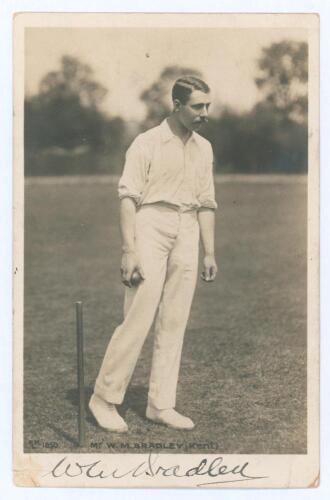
pixel 157 96
pixel 73 80
pixel 283 80
pixel 65 113
pixel 273 135
pixel 65 130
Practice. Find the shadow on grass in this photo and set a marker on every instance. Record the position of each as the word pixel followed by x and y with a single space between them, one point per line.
pixel 135 400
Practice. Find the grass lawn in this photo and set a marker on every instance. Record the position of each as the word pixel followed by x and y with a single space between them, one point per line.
pixel 243 371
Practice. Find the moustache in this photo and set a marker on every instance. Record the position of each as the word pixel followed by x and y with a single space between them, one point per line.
pixel 201 120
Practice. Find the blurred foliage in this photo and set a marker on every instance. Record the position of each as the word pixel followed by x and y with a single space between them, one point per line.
pixel 67 133
pixel 284 76
pixel 273 136
pixel 65 127
pixel 74 80
pixel 259 141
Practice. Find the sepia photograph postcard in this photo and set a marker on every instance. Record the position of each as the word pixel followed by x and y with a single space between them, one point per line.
pixel 166 250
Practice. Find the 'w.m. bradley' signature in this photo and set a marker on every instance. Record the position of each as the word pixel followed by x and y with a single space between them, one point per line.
pixel 214 469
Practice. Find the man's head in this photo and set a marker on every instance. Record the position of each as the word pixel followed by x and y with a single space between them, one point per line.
pixel 191 100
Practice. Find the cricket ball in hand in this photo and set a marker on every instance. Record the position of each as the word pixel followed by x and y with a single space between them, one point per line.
pixel 136 278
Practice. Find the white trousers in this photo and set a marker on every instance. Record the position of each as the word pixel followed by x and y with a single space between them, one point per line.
pixel 167 242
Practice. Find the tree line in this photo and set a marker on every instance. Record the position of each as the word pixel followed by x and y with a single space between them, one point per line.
pixel 66 131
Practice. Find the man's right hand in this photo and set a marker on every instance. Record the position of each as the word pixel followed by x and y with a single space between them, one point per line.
pixel 129 264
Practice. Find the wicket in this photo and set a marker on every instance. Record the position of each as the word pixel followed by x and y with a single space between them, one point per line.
pixel 80 373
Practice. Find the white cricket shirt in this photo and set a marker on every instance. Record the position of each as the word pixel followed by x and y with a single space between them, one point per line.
pixel 160 168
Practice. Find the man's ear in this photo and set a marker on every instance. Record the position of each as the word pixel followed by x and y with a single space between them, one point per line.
pixel 176 104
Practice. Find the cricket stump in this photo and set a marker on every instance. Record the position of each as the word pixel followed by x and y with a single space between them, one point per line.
pixel 80 375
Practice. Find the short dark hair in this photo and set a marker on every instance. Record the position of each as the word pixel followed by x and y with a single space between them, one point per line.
pixel 185 85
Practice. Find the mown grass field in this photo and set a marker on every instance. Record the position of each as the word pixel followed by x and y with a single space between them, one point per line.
pixel 243 371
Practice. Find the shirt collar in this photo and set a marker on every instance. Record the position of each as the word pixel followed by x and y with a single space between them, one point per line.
pixel 167 134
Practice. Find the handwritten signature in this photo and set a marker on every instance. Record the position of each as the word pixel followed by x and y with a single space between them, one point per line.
pixel 209 469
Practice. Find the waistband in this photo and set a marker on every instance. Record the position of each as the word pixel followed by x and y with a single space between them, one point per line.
pixel 171 206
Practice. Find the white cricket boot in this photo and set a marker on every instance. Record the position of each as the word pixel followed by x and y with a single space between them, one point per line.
pixel 106 415
pixel 169 417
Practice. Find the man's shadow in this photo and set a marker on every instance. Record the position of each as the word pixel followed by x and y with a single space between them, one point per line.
pixel 135 399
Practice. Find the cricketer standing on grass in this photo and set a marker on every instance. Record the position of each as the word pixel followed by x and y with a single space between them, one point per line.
pixel 167 202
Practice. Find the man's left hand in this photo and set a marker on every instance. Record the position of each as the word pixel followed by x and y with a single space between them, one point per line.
pixel 210 268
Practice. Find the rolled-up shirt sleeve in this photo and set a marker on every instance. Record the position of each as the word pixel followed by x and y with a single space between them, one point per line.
pixel 207 193
pixel 133 180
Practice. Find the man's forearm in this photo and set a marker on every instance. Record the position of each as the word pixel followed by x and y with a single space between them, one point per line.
pixel 206 219
pixel 127 224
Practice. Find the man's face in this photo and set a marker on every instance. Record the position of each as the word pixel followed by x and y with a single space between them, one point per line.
pixel 195 112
